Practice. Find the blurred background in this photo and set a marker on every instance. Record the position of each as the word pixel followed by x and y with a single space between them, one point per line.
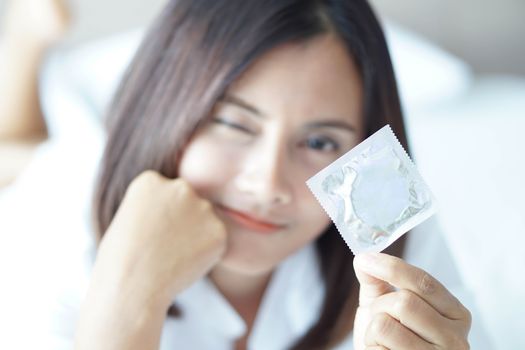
pixel 461 72
pixel 488 34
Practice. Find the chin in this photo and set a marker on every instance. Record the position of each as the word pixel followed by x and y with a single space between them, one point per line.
pixel 246 263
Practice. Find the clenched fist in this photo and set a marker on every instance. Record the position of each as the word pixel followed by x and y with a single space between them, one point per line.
pixel 162 238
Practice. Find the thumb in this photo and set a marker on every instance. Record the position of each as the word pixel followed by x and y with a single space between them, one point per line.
pixel 370 287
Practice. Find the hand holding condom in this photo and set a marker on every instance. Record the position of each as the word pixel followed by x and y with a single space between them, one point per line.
pixel 403 307
pixel 374 194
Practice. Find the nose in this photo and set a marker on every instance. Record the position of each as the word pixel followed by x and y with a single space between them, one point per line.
pixel 264 175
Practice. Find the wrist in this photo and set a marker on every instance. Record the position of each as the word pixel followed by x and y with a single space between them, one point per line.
pixel 117 316
pixel 122 281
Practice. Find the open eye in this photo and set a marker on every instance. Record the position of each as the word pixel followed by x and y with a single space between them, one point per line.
pixel 232 125
pixel 321 143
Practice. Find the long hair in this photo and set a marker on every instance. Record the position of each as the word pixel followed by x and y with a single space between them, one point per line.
pixel 190 56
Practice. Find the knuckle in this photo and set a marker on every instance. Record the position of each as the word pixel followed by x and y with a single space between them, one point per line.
pixel 206 206
pixel 144 179
pixel 219 230
pixel 407 302
pixel 182 187
pixel 213 226
pixel 382 325
pixel 181 184
pixel 459 343
pixel 149 175
pixel 464 311
pixel 426 284
pixel 468 316
pixel 217 238
pixel 392 269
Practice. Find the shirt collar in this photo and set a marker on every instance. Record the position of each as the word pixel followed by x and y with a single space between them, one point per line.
pixel 290 304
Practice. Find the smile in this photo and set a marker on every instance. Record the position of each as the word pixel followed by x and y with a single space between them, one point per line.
pixel 250 222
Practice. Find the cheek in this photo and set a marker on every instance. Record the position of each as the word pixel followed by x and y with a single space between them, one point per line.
pixel 311 216
pixel 204 165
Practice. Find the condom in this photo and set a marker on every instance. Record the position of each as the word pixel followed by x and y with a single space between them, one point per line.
pixel 373 193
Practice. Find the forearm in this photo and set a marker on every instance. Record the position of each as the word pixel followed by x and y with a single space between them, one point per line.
pixel 113 325
pixel 119 315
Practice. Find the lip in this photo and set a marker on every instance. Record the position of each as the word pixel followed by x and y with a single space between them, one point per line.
pixel 251 222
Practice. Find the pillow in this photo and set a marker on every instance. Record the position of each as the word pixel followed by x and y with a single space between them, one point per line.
pixel 76 85
pixel 426 75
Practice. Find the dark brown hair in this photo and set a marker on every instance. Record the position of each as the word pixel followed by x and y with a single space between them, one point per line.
pixel 186 62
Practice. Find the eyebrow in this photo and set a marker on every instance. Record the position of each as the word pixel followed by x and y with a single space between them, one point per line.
pixel 239 102
pixel 338 124
pixel 242 104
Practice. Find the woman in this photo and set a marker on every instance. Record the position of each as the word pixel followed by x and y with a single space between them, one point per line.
pixel 228 107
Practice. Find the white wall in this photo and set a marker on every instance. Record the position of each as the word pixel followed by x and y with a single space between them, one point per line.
pixel 489 35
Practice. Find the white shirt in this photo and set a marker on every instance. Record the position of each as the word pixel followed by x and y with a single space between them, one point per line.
pixel 288 308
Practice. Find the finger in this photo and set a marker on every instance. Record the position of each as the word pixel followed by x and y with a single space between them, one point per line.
pixel 376 347
pixel 404 276
pixel 370 286
pixel 415 314
pixel 386 331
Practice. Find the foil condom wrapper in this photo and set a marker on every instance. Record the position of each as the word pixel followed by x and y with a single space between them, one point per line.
pixel 373 193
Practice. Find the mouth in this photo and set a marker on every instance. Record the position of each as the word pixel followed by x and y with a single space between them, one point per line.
pixel 251 222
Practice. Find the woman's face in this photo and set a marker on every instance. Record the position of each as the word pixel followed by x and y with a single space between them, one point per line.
pixel 296 110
